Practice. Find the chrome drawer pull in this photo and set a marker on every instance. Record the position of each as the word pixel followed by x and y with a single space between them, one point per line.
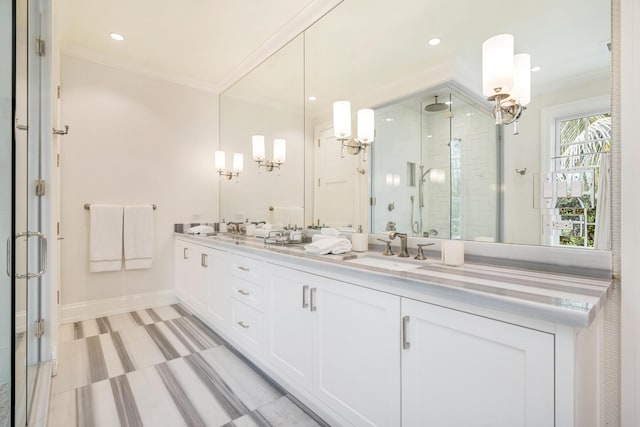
pixel 204 260
pixel 243 325
pixel 185 253
pixel 243 268
pixel 243 292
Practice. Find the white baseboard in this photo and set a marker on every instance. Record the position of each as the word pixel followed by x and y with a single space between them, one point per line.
pixel 106 307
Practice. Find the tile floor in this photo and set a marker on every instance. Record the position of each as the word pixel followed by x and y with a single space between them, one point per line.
pixel 162 367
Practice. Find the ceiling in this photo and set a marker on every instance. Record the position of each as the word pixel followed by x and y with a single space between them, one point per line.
pixel 201 43
pixel 204 43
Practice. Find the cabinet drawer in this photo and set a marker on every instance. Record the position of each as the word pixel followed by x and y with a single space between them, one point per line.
pixel 248 292
pixel 247 268
pixel 247 327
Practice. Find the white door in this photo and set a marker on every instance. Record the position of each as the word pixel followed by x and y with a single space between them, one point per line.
pixel 460 369
pixel 357 352
pixel 198 295
pixel 337 195
pixel 289 335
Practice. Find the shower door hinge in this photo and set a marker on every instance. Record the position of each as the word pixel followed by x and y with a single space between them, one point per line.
pixel 372 201
pixel 40 47
pixel 318 142
pixel 40 187
pixel 58 91
pixel 58 297
pixel 58 160
pixel 38 328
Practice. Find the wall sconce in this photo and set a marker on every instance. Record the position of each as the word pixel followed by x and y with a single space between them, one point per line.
pixel 220 164
pixel 342 128
pixel 279 152
pixel 506 79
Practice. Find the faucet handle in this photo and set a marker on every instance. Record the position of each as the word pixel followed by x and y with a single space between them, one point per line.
pixel 388 250
pixel 420 254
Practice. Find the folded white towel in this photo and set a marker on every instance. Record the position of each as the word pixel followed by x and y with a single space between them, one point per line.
pixel 328 231
pixel 138 236
pixel 325 236
pixel 334 245
pixel 105 238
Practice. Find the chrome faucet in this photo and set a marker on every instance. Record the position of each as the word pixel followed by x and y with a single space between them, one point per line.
pixel 404 253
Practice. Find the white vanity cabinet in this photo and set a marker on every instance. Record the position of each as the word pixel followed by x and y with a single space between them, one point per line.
pixel 200 281
pixel 339 342
pixel 460 369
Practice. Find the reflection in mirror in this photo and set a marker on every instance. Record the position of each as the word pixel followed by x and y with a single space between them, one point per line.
pixel 436 168
pixel 269 101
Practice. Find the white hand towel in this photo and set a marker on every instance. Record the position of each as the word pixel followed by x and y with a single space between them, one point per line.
pixel 105 238
pixel 138 236
pixel 327 245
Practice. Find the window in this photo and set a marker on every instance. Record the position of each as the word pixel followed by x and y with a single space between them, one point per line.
pixel 579 144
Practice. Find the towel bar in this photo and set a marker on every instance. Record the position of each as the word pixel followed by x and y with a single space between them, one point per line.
pixel 87 206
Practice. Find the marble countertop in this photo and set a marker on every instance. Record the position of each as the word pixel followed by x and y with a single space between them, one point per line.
pixel 549 295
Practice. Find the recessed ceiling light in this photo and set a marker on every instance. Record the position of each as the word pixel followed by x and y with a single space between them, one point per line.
pixel 388 119
pixel 434 42
pixel 429 136
pixel 536 69
pixel 312 98
pixel 116 36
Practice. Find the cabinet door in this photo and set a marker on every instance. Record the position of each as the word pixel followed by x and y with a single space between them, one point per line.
pixel 357 352
pixel 199 271
pixel 459 369
pixel 289 334
pixel 216 280
pixel 182 268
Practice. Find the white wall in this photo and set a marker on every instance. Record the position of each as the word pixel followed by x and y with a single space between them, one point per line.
pixel 132 140
pixel 630 200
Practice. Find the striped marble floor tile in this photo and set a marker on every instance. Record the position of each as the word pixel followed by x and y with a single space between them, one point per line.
pixel 171 371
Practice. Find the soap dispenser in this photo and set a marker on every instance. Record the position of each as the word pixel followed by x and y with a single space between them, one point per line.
pixel 360 241
pixel 223 226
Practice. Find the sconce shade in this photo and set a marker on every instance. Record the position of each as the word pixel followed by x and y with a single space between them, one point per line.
pixel 279 150
pixel 521 91
pixel 342 119
pixel 366 125
pixel 389 179
pixel 497 64
pixel 219 161
pixel 237 162
pixel 257 142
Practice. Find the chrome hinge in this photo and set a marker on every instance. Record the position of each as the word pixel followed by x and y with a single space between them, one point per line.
pixel 57 228
pixel 40 47
pixel 372 201
pixel 318 142
pixel 40 187
pixel 318 182
pixel 58 160
pixel 58 297
pixel 38 328
pixel 58 91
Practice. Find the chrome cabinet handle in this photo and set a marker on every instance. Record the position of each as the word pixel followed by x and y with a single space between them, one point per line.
pixel 43 254
pixel 8 255
pixel 243 325
pixel 204 260
pixel 243 292
pixel 185 253
pixel 243 268
pixel 405 324
pixel 313 299
pixel 305 289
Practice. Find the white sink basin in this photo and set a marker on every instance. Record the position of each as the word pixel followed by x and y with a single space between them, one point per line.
pixel 394 264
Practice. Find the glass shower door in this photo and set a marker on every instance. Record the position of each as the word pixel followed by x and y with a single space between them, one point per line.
pixel 29 243
pixel 6 126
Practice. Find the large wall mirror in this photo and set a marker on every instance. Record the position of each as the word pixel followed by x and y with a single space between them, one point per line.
pixel 439 166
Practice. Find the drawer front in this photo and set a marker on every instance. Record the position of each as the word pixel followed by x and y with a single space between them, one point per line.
pixel 247 327
pixel 247 268
pixel 248 292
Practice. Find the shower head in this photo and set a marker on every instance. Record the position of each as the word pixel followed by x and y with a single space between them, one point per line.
pixel 436 106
